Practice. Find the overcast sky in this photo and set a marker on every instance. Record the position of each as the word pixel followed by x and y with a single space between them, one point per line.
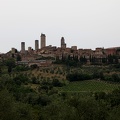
pixel 84 23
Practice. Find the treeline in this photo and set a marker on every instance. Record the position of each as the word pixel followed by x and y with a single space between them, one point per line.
pixel 75 61
pixel 78 77
pixel 96 75
pixel 69 61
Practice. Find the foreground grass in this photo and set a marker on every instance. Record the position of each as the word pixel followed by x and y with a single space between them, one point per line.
pixel 89 86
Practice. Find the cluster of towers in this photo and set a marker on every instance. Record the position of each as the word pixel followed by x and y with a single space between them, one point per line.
pixel 43 44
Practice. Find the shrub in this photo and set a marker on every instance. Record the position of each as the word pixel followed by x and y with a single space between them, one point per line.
pixel 21 68
pixel 113 78
pixel 20 79
pixel 57 83
pixel 34 80
pixel 34 66
pixel 78 77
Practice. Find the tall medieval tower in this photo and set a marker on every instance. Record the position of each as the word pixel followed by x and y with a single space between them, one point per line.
pixel 36 44
pixel 43 40
pixel 23 47
pixel 63 44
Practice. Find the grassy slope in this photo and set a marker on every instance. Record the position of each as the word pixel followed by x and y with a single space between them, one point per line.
pixel 89 86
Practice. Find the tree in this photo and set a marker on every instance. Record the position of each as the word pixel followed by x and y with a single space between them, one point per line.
pixel 110 59
pixel 7 106
pixel 10 63
pixel 83 60
pixel 34 66
pixel 18 57
pixel 9 69
pixel 0 70
pixel 20 79
pixel 104 60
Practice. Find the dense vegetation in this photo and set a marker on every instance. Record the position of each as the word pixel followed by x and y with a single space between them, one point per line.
pixel 32 93
pixel 76 61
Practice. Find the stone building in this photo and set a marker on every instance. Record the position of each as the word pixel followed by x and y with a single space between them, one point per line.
pixel 29 49
pixel 98 54
pixel 13 50
pixel 110 51
pixel 74 47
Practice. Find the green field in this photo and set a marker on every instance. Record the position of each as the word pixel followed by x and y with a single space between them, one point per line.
pixel 89 86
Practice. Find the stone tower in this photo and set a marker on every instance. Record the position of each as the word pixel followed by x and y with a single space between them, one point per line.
pixel 43 40
pixel 36 44
pixel 23 47
pixel 29 49
pixel 13 50
pixel 63 44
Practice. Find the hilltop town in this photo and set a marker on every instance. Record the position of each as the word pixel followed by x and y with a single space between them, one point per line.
pixel 59 83
pixel 45 55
